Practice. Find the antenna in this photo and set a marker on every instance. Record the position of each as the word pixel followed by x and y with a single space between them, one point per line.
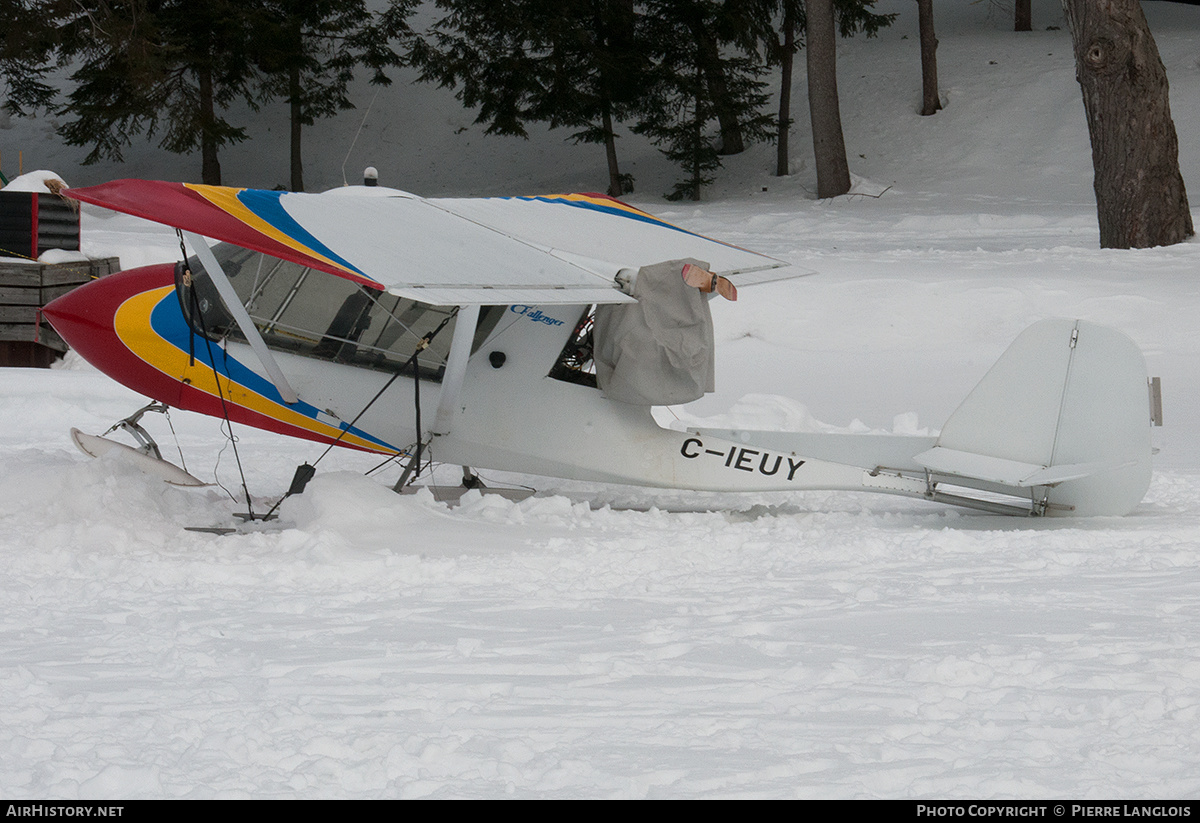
pixel 356 134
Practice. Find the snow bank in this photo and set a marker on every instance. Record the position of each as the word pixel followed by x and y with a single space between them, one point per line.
pixel 43 182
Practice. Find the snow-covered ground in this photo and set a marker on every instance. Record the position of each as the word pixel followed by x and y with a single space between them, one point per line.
pixel 799 645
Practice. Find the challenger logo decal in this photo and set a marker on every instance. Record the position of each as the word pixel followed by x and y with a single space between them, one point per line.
pixel 535 314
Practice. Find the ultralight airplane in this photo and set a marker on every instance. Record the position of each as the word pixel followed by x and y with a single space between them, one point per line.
pixel 535 334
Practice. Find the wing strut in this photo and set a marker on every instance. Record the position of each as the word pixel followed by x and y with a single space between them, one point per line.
pixel 456 366
pixel 234 304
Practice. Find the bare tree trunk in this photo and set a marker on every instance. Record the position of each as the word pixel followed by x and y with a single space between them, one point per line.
pixel 1140 197
pixel 698 122
pixel 610 153
pixel 931 101
pixel 1023 16
pixel 614 29
pixel 732 141
pixel 210 166
pixel 296 107
pixel 829 147
pixel 787 59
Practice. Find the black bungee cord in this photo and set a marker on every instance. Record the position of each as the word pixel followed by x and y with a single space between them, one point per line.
pixel 305 472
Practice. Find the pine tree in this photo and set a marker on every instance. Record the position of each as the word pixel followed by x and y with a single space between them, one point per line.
pixel 598 71
pixel 723 44
pixel 166 67
pixel 677 116
pixel 308 50
pixel 706 68
pixel 568 63
pixel 29 40
pixel 781 44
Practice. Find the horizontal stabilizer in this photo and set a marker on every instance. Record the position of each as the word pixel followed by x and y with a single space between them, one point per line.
pixel 941 460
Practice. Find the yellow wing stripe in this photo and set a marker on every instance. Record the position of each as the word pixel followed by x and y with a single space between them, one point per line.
pixel 226 199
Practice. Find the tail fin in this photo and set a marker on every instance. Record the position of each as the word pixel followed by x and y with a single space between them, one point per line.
pixel 1062 417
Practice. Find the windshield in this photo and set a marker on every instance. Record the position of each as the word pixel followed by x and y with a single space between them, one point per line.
pixel 316 314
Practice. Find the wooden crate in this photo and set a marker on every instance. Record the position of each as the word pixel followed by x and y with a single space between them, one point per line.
pixel 27 286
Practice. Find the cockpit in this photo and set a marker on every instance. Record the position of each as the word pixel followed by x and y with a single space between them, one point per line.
pixel 315 314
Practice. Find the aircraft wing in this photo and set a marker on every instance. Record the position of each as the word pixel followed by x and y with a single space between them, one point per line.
pixel 449 251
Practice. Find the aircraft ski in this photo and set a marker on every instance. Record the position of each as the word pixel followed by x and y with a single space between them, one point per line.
pixel 96 446
pixel 535 334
